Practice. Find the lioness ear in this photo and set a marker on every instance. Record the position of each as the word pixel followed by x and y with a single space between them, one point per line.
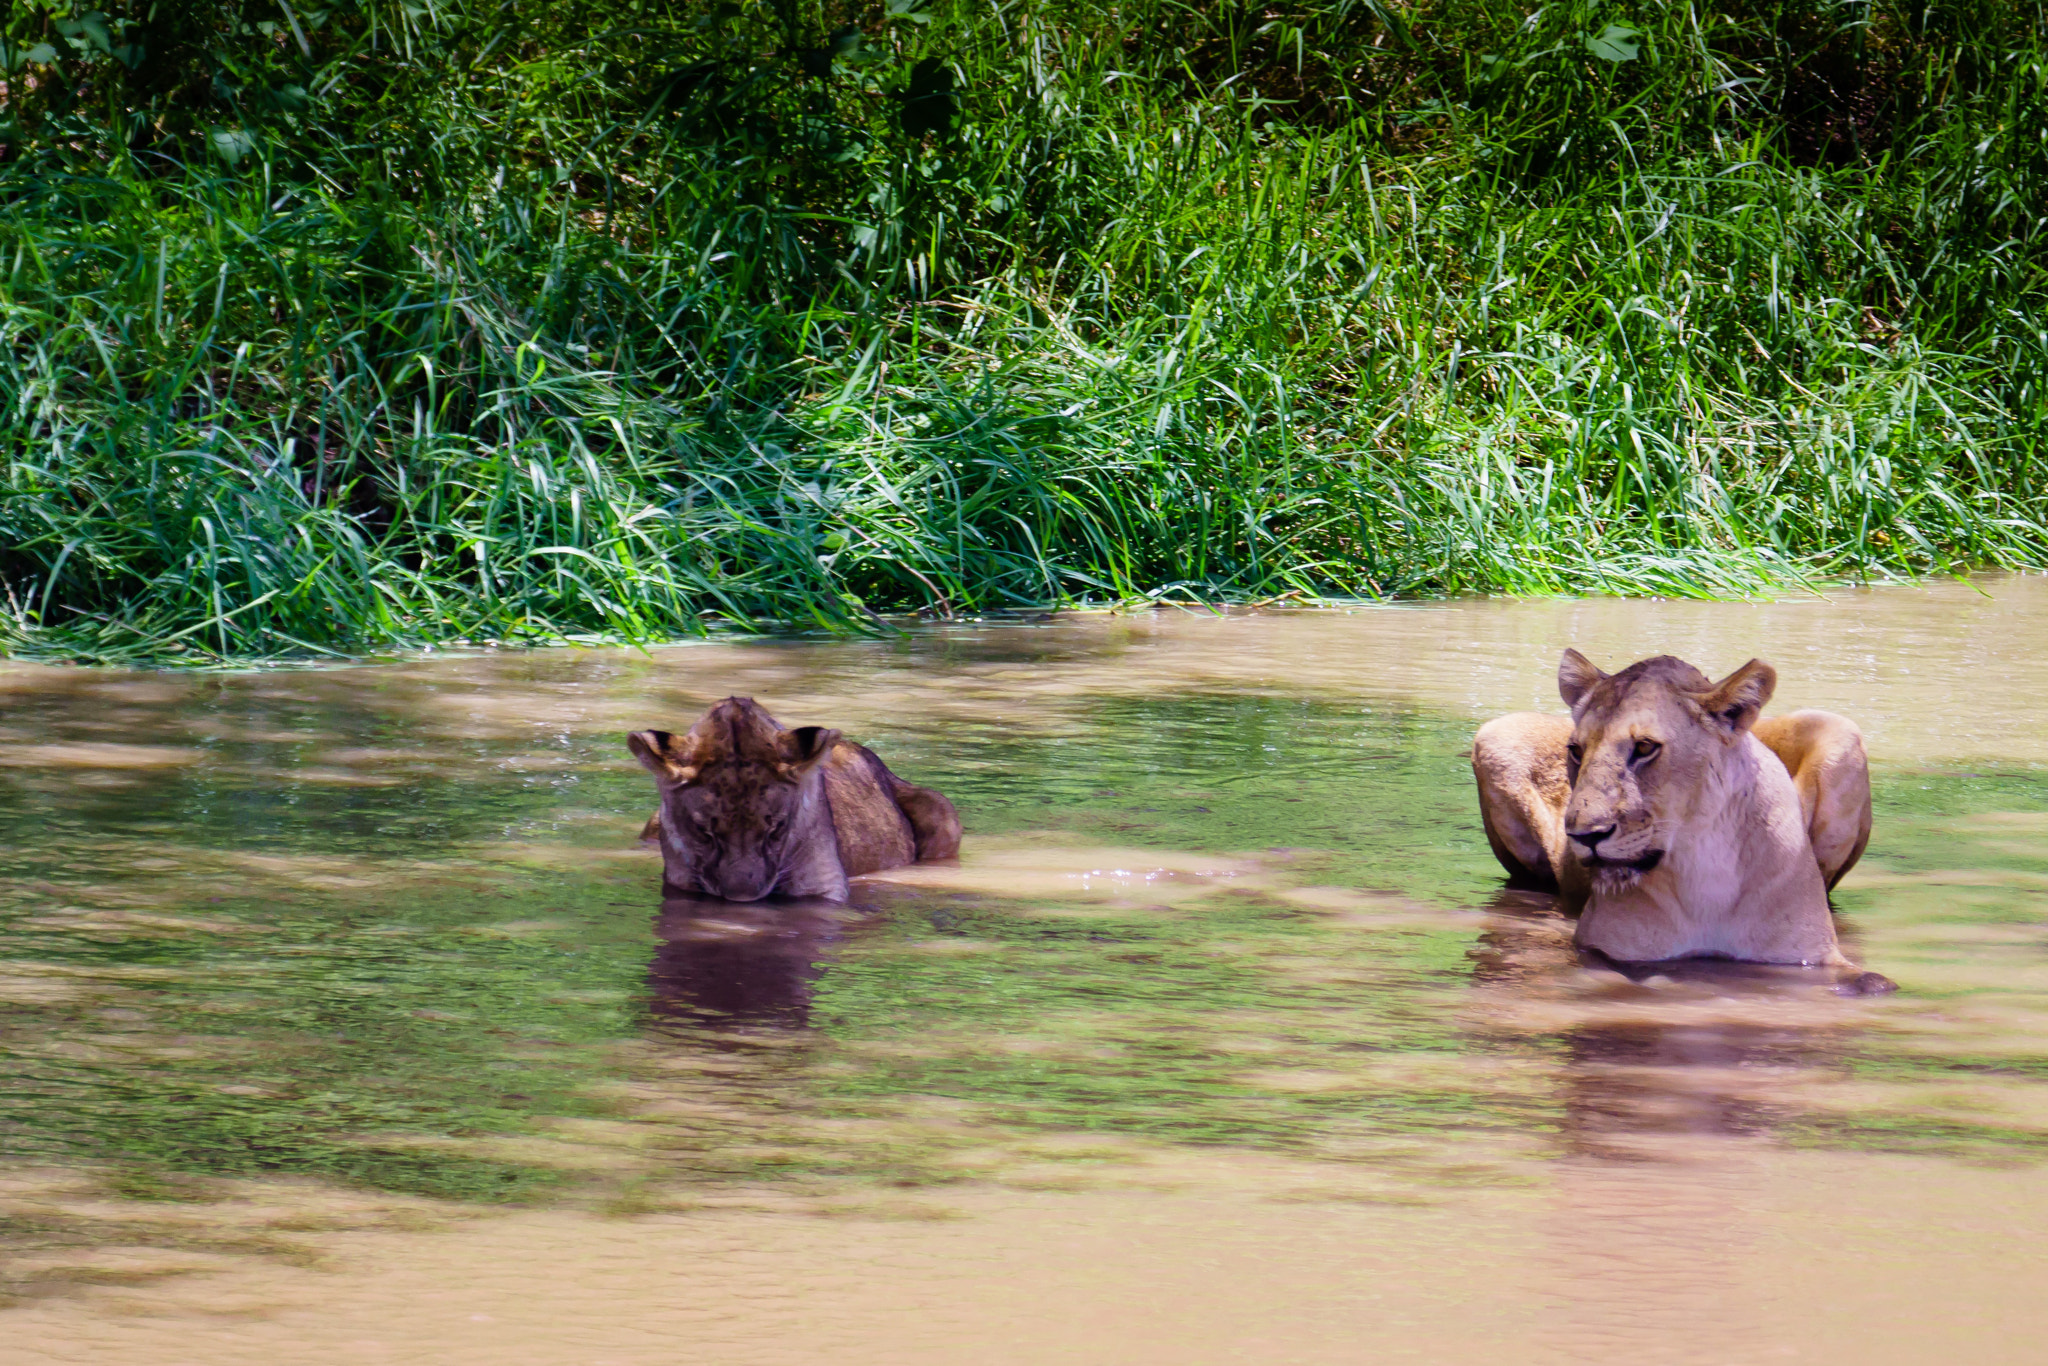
pixel 803 748
pixel 1736 699
pixel 1576 676
pixel 662 755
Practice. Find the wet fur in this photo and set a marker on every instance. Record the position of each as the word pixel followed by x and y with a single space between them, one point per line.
pixel 751 809
pixel 1749 822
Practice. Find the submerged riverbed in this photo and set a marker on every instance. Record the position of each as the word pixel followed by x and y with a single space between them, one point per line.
pixel 343 1019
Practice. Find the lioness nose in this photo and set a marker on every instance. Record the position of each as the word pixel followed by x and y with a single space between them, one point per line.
pixel 1590 838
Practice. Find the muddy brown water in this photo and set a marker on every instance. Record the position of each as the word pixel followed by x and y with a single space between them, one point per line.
pixel 343 1021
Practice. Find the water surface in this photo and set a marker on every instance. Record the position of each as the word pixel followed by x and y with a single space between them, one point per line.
pixel 343 1018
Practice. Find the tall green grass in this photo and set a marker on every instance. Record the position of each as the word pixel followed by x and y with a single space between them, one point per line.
pixel 324 332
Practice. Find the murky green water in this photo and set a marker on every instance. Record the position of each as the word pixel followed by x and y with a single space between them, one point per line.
pixel 1224 894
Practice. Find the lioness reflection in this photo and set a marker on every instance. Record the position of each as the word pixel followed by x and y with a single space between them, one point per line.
pixel 1702 1049
pixel 750 809
pixel 722 964
pixel 1677 822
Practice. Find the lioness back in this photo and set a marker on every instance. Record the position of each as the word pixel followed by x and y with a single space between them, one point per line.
pixel 873 810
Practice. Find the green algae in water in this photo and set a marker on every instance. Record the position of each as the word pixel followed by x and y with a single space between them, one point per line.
pixel 436 971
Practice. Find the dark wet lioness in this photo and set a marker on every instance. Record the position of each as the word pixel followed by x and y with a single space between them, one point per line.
pixel 749 809
pixel 1682 824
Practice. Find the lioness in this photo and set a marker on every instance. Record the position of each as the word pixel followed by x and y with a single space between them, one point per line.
pixel 749 809
pixel 1680 823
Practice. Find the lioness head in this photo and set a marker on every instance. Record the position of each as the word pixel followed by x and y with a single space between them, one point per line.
pixel 733 793
pixel 1647 755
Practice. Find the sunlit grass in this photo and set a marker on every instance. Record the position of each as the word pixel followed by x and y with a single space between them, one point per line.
pixel 501 354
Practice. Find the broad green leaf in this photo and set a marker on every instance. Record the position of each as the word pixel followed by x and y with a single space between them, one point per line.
pixel 94 26
pixel 1614 44
pixel 233 144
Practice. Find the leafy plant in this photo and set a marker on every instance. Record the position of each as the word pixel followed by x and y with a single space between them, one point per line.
pixel 335 330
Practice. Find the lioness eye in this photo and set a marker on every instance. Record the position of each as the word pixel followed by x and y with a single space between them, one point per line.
pixel 1647 749
pixel 1576 752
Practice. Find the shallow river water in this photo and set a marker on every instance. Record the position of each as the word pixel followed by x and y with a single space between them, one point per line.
pixel 342 1020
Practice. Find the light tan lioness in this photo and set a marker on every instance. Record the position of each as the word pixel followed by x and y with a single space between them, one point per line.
pixel 749 809
pixel 1681 824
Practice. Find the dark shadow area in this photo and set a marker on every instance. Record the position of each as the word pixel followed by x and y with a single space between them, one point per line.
pixel 1729 974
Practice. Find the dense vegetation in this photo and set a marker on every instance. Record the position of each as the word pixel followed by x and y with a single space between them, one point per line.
pixel 387 322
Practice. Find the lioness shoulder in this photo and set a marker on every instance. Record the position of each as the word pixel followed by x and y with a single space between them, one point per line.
pixel 1824 754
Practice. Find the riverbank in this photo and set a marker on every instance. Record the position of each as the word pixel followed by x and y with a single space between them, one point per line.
pixel 398 327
